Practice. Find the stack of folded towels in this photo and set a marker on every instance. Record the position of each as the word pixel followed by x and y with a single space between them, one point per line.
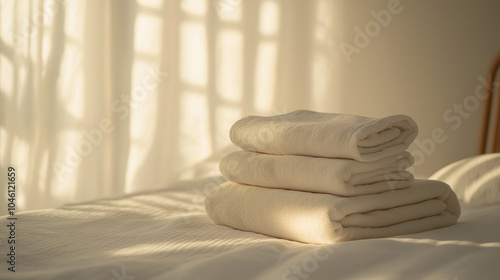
pixel 324 178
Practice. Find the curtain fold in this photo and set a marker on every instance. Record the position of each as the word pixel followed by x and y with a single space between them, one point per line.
pixel 102 98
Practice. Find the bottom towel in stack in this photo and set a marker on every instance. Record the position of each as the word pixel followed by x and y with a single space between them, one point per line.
pixel 326 219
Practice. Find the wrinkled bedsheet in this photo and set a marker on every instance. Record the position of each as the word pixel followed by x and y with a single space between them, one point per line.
pixel 167 235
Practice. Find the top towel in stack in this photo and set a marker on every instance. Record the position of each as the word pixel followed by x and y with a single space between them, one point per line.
pixel 325 135
pixel 323 178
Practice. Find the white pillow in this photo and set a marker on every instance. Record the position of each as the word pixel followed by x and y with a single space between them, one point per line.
pixel 475 180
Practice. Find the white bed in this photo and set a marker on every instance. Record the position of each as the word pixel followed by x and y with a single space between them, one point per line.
pixel 167 235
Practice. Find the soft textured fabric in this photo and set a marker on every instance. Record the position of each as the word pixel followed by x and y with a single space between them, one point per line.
pixel 344 177
pixel 330 135
pixel 475 180
pixel 326 219
pixel 65 65
pixel 167 235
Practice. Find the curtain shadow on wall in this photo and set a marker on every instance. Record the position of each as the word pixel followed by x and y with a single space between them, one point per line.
pixel 102 98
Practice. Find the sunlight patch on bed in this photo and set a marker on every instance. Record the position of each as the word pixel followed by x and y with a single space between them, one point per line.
pixel 157 248
pixel 141 249
pixel 447 242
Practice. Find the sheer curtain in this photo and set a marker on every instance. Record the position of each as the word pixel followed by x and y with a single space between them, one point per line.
pixel 101 98
pixel 104 97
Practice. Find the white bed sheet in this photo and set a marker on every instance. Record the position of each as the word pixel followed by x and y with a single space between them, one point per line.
pixel 167 235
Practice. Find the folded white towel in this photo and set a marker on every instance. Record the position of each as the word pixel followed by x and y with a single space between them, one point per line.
pixel 325 135
pixel 325 219
pixel 343 177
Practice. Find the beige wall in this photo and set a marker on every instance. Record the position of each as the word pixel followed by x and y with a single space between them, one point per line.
pixel 425 60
